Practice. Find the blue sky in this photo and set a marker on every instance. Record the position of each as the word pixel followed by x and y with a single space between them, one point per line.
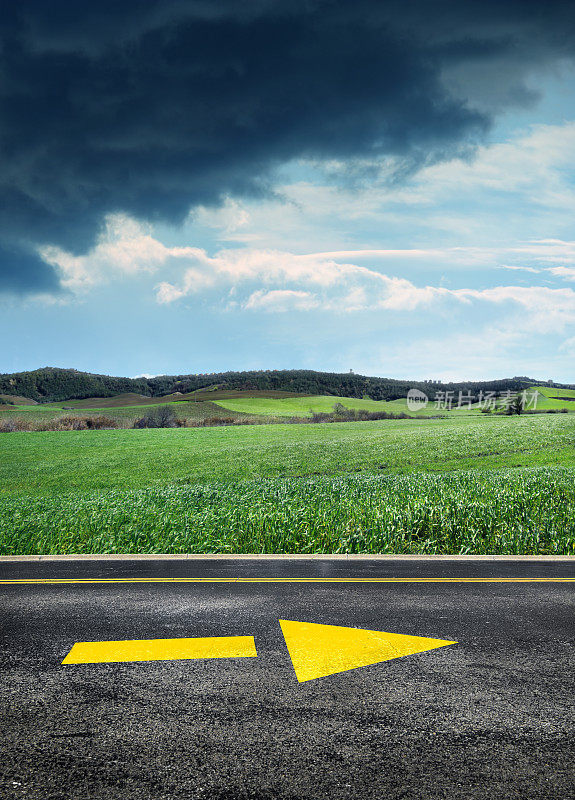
pixel 460 267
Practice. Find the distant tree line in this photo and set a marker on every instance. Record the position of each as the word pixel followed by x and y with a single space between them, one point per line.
pixel 51 384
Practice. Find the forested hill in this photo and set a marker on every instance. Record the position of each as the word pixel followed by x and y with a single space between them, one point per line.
pixel 53 384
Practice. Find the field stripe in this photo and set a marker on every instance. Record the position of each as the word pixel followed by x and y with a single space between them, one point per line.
pixel 89 581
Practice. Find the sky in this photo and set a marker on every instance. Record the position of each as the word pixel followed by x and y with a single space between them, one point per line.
pixel 195 187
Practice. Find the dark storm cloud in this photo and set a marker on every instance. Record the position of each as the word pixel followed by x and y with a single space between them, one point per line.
pixel 24 272
pixel 153 107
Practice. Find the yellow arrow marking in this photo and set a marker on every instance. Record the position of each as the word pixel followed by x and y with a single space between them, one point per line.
pixel 161 649
pixel 320 650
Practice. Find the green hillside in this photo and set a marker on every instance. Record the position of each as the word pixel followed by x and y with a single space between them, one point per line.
pixel 131 400
pixel 304 406
pixel 553 391
pixel 123 415
pixel 14 399
pixel 554 398
pixel 246 405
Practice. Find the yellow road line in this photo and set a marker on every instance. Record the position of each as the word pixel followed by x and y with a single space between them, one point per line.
pixel 90 581
pixel 161 650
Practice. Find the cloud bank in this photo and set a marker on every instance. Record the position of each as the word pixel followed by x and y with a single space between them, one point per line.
pixel 342 281
pixel 148 108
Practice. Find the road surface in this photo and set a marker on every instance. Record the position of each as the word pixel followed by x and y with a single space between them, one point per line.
pixel 181 682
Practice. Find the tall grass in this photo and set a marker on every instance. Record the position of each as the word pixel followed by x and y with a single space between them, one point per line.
pixel 505 511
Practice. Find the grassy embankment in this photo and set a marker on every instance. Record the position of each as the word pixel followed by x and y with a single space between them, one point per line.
pixel 437 486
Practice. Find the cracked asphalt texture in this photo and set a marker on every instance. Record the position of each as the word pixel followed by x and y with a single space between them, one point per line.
pixel 491 718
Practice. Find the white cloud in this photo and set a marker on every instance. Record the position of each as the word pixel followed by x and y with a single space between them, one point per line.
pixel 564 272
pixel 281 300
pixel 343 286
pixel 534 270
pixel 568 346
pixel 232 267
pixel 126 248
pixel 230 220
pixel 343 281
pixel 545 310
pixel 342 267
pixel 532 161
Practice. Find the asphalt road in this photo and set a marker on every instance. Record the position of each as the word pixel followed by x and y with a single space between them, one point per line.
pixel 489 717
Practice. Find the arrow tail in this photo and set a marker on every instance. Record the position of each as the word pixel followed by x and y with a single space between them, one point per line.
pixel 161 650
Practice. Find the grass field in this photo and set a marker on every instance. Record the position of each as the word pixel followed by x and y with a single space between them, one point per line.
pixel 548 399
pixel 47 463
pixel 124 416
pixel 554 399
pixel 304 406
pixel 552 392
pixel 461 484
pixel 127 408
pixel 229 404
pixel 131 400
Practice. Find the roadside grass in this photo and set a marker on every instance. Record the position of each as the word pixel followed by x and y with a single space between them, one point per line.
pixel 510 511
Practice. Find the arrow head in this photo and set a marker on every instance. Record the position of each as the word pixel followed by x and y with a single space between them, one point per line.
pixel 319 650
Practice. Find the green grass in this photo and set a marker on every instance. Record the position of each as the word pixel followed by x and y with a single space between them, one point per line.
pixel 439 485
pixel 132 400
pixel 125 409
pixel 517 511
pixel 303 406
pixel 552 391
pixel 549 399
pixel 123 415
pixel 47 463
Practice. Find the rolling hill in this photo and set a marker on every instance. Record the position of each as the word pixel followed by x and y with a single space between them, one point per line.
pixel 554 398
pixel 52 384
